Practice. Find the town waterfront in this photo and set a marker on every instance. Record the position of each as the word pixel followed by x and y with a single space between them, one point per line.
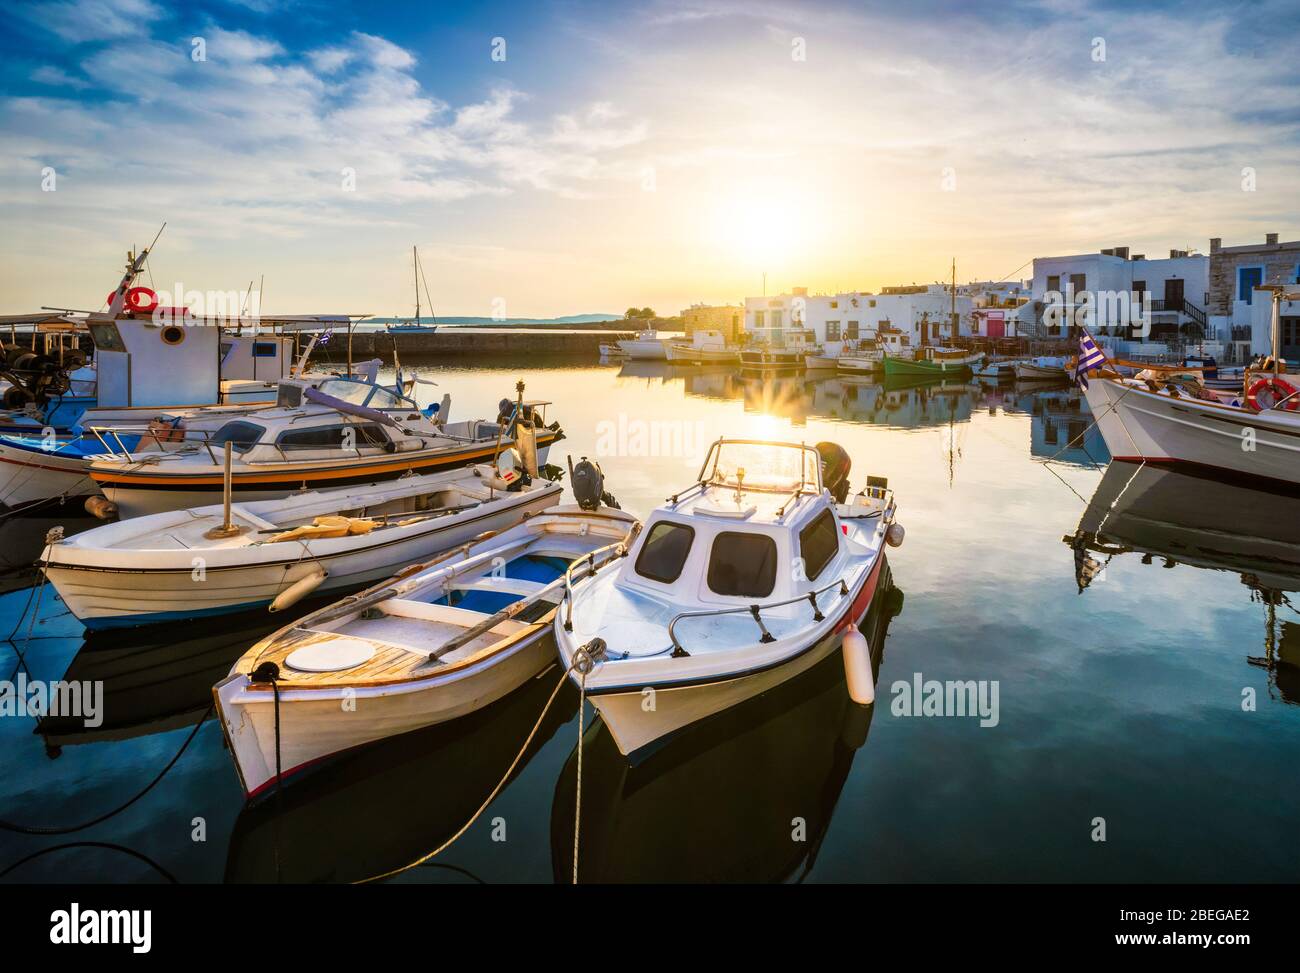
pixel 1138 661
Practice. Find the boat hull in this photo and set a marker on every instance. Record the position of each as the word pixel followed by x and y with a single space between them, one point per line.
pixel 858 365
pixel 899 366
pixel 678 706
pixel 139 490
pixel 248 717
pixel 1142 426
pixel 29 476
pixel 689 355
pixel 772 359
pixel 1026 370
pixel 643 350
pixel 134 587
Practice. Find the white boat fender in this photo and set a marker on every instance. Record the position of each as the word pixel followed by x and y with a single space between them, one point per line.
pixel 299 590
pixel 101 507
pixel 894 535
pixel 857 667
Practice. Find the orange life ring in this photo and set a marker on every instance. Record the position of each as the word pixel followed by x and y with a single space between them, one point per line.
pixel 141 300
pixel 1280 388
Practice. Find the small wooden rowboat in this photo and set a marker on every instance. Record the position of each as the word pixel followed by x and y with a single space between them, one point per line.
pixel 175 565
pixel 435 642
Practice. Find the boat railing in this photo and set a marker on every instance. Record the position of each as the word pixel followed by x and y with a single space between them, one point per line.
pixel 607 553
pixel 755 611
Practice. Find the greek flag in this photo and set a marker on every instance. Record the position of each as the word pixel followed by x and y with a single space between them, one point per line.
pixel 1091 358
pixel 324 339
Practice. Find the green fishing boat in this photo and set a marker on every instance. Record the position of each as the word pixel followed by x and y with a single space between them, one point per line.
pixel 933 360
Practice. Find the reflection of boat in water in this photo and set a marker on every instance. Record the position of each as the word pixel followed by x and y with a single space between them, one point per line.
pixel 723 800
pixel 1180 518
pixel 379 808
pixel 152 682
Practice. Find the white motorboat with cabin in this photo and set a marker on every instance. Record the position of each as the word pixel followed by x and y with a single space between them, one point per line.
pixel 343 432
pixel 748 577
pixel 437 641
pixel 702 347
pixel 646 345
pixel 212 560
pixel 997 370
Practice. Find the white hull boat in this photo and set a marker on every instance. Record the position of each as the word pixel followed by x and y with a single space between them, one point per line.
pixel 821 362
pixel 1001 370
pixel 180 565
pixel 703 348
pixel 1042 368
pixel 1145 426
pixel 438 641
pixel 645 346
pixel 857 363
pixel 345 432
pixel 708 609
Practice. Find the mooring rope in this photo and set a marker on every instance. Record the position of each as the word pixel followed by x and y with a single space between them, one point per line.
pixel 580 658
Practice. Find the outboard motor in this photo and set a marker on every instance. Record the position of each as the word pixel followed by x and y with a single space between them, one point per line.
pixel 588 484
pixel 835 469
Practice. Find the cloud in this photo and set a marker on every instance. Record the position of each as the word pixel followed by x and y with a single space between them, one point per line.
pixel 48 74
pixel 257 136
pixel 81 21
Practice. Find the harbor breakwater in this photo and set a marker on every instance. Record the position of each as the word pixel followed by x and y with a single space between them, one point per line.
pixel 487 342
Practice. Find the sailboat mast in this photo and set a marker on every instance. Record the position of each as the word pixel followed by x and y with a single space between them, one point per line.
pixel 416 254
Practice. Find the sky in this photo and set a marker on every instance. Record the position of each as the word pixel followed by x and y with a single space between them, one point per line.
pixel 565 158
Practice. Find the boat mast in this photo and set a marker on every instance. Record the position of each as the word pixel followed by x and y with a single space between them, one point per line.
pixel 954 302
pixel 416 253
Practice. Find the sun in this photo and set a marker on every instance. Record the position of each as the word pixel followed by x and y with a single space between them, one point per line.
pixel 764 226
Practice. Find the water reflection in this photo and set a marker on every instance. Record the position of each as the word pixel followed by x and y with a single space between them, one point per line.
pixel 381 807
pixel 1169 518
pixel 745 796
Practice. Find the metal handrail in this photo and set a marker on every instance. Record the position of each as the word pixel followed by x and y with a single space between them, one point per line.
pixel 620 548
pixel 755 610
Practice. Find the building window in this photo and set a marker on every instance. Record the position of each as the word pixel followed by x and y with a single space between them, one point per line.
pixel 758 319
pixel 851 332
pixel 871 303
pixel 776 319
pixel 1079 282
pixel 832 331
pixel 1054 282
pixel 1248 278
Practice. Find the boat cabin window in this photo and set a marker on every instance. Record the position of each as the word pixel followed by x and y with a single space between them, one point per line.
pixel 265 349
pixel 384 399
pixel 106 336
pixel 664 552
pixel 351 436
pixel 242 436
pixel 818 544
pixel 742 564
pixel 288 396
pixel 354 392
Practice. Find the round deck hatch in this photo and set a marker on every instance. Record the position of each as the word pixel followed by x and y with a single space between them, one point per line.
pixel 332 656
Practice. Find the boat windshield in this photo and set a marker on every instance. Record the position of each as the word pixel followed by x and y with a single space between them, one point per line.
pixel 763 466
pixel 355 393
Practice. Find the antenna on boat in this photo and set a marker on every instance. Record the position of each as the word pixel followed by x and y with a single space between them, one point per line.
pixel 415 275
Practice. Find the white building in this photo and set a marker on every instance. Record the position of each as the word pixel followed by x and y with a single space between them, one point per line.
pixel 1111 288
pixel 923 311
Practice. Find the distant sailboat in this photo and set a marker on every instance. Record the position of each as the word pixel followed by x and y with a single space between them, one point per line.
pixel 415 325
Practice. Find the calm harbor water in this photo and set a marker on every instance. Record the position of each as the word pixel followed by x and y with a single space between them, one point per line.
pixel 1136 623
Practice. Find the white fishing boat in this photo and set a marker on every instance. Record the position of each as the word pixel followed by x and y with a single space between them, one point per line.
pixel 646 345
pixel 1162 416
pixel 611 350
pixel 204 561
pixel 783 350
pixel 825 358
pixel 703 347
pixel 42 465
pixel 437 641
pixel 343 432
pixel 997 370
pixel 1045 367
pixel 748 577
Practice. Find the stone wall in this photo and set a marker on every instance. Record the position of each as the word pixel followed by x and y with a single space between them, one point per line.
pixel 1279 261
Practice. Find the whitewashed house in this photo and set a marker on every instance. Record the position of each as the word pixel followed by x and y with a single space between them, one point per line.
pixel 1242 313
pixel 1109 293
pixel 922 311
